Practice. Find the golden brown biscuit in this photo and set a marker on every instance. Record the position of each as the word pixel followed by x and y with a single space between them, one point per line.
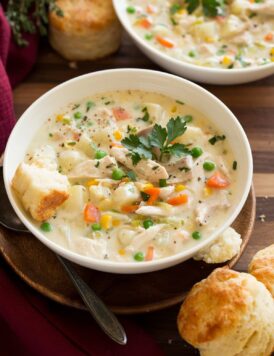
pixel 262 267
pixel 40 190
pixel 88 30
pixel 228 314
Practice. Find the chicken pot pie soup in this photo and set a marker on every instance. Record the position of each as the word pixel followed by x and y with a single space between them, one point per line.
pixel 212 33
pixel 127 176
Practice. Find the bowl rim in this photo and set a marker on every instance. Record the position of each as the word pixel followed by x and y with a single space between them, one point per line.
pixel 115 266
pixel 174 61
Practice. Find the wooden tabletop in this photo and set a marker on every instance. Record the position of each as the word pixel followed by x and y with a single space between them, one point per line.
pixel 253 105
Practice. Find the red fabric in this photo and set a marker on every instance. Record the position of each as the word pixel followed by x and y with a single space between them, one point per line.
pixel 15 64
pixel 29 323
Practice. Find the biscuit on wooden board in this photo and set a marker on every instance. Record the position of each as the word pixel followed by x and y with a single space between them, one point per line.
pixel 88 29
pixel 262 267
pixel 229 314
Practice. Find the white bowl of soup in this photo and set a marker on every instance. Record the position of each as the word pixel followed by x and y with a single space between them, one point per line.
pixel 127 171
pixel 229 44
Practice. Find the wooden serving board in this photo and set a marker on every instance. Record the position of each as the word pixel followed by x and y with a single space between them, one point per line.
pixel 124 294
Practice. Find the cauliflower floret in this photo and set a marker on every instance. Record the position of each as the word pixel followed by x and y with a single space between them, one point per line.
pixel 225 247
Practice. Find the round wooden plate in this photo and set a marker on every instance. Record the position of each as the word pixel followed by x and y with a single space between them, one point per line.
pixel 124 294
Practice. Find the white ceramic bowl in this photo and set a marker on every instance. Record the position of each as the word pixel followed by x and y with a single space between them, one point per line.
pixel 194 72
pixel 123 79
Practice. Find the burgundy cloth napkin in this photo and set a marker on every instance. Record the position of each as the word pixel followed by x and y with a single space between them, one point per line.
pixel 29 323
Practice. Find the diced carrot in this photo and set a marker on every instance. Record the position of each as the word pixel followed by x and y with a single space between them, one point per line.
pixel 145 23
pixel 91 213
pixel 179 200
pixel 115 144
pixel 153 193
pixel 129 208
pixel 120 113
pixel 165 42
pixel 150 9
pixel 150 253
pixel 269 36
pixel 217 181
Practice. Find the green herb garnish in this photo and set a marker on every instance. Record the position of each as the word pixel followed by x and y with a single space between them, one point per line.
pixel 216 138
pixel 160 137
pixel 234 165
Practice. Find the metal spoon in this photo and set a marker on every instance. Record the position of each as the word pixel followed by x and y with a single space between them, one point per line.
pixel 104 317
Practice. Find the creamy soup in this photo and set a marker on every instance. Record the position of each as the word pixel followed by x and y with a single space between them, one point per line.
pixel 148 176
pixel 223 34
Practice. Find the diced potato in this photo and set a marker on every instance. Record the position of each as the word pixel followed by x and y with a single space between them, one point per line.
pixel 155 111
pixel 98 193
pixel 126 194
pixel 76 201
pixel 206 31
pixel 69 159
pixel 232 26
pixel 86 145
pixel 125 236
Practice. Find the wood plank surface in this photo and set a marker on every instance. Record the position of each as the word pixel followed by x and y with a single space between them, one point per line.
pixel 253 104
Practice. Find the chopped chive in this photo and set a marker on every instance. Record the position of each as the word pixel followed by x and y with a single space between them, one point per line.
pixel 145 196
pixel 162 183
pixel 180 102
pixel 89 105
pixel 132 176
pixel 234 165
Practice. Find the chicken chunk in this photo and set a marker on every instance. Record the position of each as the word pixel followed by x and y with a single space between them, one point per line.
pixel 146 168
pixel 41 191
pixel 93 168
pixel 205 210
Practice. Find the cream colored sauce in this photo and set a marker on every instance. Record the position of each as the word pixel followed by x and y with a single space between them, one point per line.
pixel 122 235
pixel 243 37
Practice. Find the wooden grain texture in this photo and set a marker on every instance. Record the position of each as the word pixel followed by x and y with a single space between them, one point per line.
pixel 253 104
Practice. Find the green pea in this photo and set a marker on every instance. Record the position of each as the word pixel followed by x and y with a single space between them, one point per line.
pixel 191 54
pixel 209 166
pixel 196 235
pixel 148 223
pixel 96 227
pixel 118 174
pixel 196 152
pixel 100 154
pixel 139 256
pixel 162 183
pixel 46 226
pixel 77 115
pixel 131 10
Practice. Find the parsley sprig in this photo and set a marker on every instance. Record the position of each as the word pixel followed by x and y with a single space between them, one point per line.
pixel 160 138
pixel 211 8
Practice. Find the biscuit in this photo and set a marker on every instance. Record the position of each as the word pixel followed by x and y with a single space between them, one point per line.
pixel 40 190
pixel 88 29
pixel 262 267
pixel 229 313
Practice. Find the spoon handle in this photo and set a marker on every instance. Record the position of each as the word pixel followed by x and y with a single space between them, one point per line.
pixel 104 317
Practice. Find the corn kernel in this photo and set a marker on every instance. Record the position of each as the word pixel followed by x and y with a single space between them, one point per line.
pixel 272 59
pixel 174 109
pixel 272 51
pixel 180 187
pixel 92 182
pixel 207 192
pixel 181 12
pixel 116 222
pixel 117 135
pixel 106 204
pixel 209 39
pixel 135 223
pixel 226 61
pixel 122 251
pixel 59 118
pixel 106 221
pixel 147 186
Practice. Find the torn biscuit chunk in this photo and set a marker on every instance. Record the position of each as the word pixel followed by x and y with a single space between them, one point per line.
pixel 41 191
pixel 225 247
